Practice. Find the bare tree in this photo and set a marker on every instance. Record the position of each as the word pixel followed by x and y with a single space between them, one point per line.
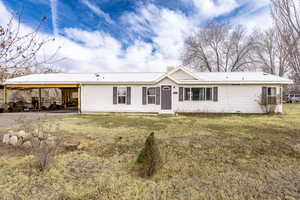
pixel 270 52
pixel 286 16
pixel 218 47
pixel 19 49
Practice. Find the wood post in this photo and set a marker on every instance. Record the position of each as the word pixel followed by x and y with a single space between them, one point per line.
pixel 5 94
pixel 79 100
pixel 40 98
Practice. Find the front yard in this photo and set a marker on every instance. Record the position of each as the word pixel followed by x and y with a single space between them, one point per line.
pixel 205 156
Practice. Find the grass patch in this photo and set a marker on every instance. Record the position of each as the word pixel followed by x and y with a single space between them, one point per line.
pixel 206 156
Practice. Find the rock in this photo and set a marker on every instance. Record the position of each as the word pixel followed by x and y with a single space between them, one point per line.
pixel 71 146
pixel 19 133
pixel 27 144
pixel 13 140
pixel 6 139
pixel 296 148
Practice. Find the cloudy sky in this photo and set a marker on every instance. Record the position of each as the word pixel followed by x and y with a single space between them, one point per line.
pixel 128 35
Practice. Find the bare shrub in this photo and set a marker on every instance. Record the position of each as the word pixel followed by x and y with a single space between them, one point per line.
pixel 149 158
pixel 44 148
pixel 44 144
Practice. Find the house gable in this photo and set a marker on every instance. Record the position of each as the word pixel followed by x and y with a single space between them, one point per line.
pixel 182 74
pixel 167 81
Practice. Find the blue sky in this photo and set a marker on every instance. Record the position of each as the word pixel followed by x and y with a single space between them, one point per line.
pixel 128 35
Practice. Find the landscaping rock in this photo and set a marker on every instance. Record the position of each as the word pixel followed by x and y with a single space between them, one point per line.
pixel 6 139
pixel 296 148
pixel 27 144
pixel 22 138
pixel 13 140
pixel 71 146
pixel 19 133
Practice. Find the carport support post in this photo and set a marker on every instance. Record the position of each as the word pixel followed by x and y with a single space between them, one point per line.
pixel 40 98
pixel 79 102
pixel 5 95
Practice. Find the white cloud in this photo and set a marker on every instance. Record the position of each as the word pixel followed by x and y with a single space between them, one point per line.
pixel 54 16
pixel 212 8
pixel 92 39
pixel 4 13
pixel 261 20
pixel 98 11
pixel 166 28
pixel 86 51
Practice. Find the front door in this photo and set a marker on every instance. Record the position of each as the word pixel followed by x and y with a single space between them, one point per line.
pixel 166 97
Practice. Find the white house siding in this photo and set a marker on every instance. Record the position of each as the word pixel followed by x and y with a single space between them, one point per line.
pixel 99 98
pixel 231 99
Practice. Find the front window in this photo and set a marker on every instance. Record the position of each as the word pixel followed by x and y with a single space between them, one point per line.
pixel 151 95
pixel 208 94
pixel 122 93
pixel 198 94
pixel 271 93
pixel 187 94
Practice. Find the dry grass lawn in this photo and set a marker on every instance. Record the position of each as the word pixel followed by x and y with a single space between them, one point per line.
pixel 207 156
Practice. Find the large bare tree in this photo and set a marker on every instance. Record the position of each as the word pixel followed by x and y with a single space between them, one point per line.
pixel 20 49
pixel 269 52
pixel 286 16
pixel 218 47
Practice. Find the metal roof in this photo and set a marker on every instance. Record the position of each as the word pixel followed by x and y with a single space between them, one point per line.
pixel 149 77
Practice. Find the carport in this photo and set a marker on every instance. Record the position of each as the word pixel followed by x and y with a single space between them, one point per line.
pixel 69 101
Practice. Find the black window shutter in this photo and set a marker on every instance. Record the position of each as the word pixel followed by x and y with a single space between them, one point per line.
pixel 128 95
pixel 181 94
pixel 115 95
pixel 216 94
pixel 157 92
pixel 264 96
pixel 144 92
pixel 275 99
pixel 280 95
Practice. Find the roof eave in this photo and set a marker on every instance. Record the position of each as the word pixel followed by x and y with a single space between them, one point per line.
pixel 236 82
pixel 182 82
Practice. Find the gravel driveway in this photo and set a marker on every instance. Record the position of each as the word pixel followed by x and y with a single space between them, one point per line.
pixel 9 119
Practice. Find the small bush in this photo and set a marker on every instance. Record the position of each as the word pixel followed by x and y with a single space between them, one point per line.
pixel 149 158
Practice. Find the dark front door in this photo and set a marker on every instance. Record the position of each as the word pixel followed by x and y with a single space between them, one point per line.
pixel 166 97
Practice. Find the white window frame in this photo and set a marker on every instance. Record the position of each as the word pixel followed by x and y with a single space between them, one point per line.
pixel 148 95
pixel 121 96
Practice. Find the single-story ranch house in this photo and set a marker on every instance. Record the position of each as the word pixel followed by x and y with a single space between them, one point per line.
pixel 175 91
